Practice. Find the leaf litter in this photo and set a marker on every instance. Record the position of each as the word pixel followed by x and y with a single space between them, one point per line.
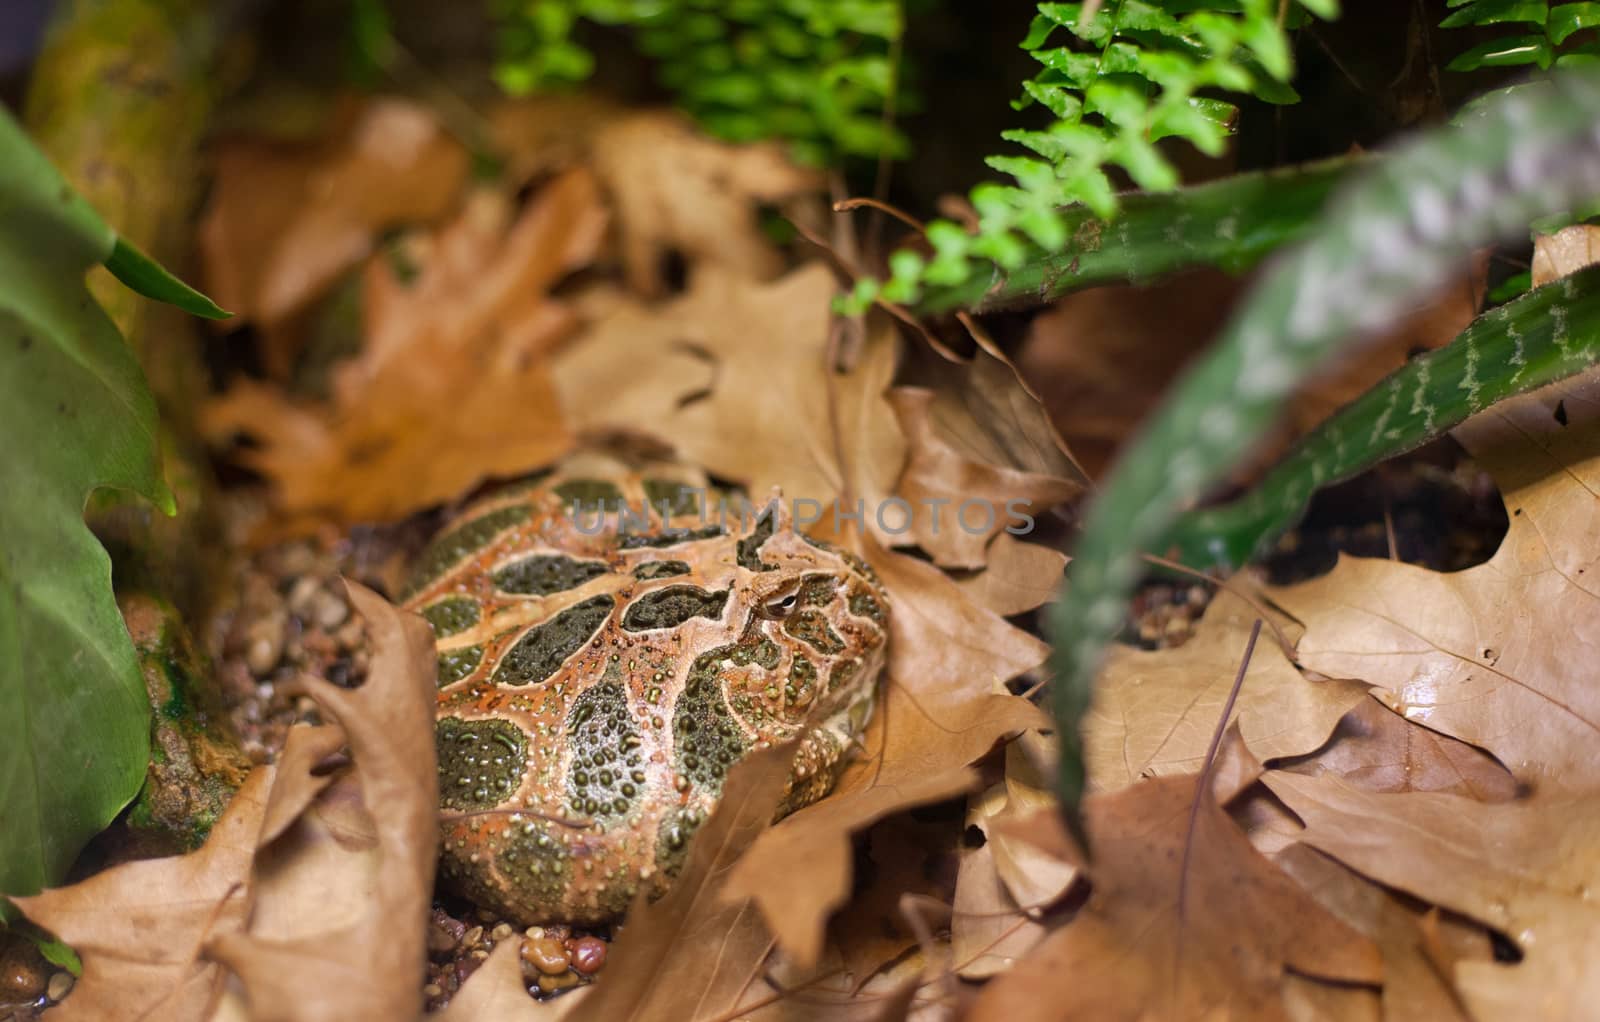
pixel 496 333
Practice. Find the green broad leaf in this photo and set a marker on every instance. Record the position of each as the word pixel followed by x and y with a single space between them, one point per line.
pixel 143 275
pixel 54 951
pixel 1327 10
pixel 77 416
pixel 1512 52
pixel 1500 12
pixel 1570 18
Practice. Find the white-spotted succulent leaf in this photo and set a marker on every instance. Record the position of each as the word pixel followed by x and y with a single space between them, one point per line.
pixel 1541 337
pixel 1395 234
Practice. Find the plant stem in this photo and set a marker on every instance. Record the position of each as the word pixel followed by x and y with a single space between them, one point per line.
pixel 1231 224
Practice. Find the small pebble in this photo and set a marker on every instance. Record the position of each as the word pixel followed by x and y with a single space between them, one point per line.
pixel 60 986
pixel 546 954
pixel 464 968
pixel 501 932
pixel 22 976
pixel 550 984
pixel 432 991
pixel 264 643
pixel 441 940
pixel 473 936
pixel 588 955
pixel 303 595
pixel 262 655
pixel 329 611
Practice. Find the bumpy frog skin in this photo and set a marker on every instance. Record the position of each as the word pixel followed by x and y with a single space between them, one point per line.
pixel 597 682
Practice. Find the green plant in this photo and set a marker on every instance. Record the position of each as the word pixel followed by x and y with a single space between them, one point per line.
pixel 1550 36
pixel 77 415
pixel 814 73
pixel 1128 75
pixel 1542 336
pixel 1396 233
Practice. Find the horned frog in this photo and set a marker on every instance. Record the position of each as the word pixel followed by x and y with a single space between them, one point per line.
pixel 600 674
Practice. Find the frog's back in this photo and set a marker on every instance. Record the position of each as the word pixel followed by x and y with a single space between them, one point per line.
pixel 600 673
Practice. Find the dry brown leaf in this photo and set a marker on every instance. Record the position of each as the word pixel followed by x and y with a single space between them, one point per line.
pixel 452 391
pixel 1103 358
pixel 910 988
pixel 989 931
pixel 1488 655
pixel 535 135
pixel 906 859
pixel 678 191
pixel 1019 576
pixel 1169 936
pixel 961 504
pixel 946 658
pixel 945 649
pixel 299 782
pixel 342 895
pixel 735 376
pixel 694 953
pixel 1033 876
pixel 496 992
pixel 482 294
pixel 917 752
pixel 284 221
pixel 140 927
pixel 1566 251
pixel 1154 712
pixel 1523 868
pixel 1412 987
pixel 986 413
pixel 1378 750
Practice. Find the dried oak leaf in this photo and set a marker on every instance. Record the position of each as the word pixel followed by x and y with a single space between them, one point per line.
pixel 976 430
pixel 989 930
pixel 937 715
pixel 1154 712
pixel 1488 655
pixel 1566 251
pixel 1376 749
pixel 496 992
pixel 284 221
pixel 735 375
pixel 342 894
pixel 1166 934
pixel 905 858
pixel 482 295
pixel 694 953
pixel 1018 577
pixel 1103 358
pixel 1034 877
pixel 452 389
pixel 799 872
pixel 677 191
pixel 1413 986
pixel 1521 867
pixel 141 927
pixel 961 504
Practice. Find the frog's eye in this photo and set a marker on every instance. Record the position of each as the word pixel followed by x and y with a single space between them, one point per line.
pixel 781 605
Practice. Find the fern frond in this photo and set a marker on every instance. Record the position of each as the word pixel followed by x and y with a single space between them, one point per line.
pixel 814 73
pixel 1541 35
pixel 1116 83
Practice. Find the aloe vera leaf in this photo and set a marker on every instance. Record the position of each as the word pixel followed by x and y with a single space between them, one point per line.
pixel 1396 233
